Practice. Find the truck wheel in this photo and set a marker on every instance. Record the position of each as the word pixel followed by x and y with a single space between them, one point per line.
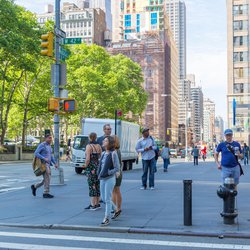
pixel 125 166
pixel 130 165
pixel 78 170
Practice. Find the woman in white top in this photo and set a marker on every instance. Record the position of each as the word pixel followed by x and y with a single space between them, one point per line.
pixel 165 154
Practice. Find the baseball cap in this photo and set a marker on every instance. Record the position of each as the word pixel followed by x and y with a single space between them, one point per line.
pixel 145 130
pixel 228 132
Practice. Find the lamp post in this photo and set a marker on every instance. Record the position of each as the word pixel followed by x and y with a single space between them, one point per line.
pixel 186 128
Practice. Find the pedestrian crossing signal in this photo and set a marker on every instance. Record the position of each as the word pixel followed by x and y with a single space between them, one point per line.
pixel 69 105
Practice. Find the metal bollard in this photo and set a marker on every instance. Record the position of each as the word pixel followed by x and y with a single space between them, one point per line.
pixel 187 191
pixel 227 192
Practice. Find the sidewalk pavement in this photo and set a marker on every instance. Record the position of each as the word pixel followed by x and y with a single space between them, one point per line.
pixel 148 211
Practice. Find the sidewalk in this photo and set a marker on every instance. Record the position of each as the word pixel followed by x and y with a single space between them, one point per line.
pixel 159 210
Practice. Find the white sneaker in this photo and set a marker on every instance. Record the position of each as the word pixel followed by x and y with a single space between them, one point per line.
pixel 152 188
pixel 143 188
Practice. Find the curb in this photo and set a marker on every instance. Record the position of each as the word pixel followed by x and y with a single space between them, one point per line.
pixel 130 230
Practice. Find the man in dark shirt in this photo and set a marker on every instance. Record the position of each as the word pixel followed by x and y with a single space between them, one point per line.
pixel 230 153
pixel 107 131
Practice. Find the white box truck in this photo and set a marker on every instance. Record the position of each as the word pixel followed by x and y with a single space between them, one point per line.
pixel 127 132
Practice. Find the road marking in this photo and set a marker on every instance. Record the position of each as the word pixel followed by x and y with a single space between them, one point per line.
pixel 125 241
pixel 10 189
pixel 40 247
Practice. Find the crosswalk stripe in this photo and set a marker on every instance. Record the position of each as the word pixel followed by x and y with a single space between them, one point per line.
pixel 128 241
pixel 40 247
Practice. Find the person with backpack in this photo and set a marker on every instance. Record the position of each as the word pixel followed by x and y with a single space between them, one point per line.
pixel 147 146
pixel 44 153
pixel 230 154
pixel 165 154
pixel 93 152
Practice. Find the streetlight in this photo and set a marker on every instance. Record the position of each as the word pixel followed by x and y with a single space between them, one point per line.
pixel 186 128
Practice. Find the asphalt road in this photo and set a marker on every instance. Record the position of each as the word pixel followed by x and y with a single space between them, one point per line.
pixel 16 178
pixel 75 240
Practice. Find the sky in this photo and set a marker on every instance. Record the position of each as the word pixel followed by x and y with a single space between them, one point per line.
pixel 206 45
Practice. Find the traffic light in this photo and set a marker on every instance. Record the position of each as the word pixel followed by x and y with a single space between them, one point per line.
pixel 47 44
pixel 53 104
pixel 69 105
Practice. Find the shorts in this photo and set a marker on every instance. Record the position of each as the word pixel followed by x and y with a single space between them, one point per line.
pixel 231 172
pixel 118 181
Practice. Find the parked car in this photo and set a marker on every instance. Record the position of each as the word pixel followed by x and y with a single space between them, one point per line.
pixel 9 142
pixel 173 153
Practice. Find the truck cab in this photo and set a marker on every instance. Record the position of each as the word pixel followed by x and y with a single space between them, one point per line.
pixel 78 152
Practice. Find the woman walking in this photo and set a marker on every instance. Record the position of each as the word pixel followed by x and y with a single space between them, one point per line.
pixel 93 153
pixel 165 154
pixel 107 172
pixel 116 195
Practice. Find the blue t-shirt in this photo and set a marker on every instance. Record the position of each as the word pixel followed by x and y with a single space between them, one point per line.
pixel 227 158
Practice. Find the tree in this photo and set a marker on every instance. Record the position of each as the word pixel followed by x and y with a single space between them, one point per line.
pixel 19 38
pixel 102 83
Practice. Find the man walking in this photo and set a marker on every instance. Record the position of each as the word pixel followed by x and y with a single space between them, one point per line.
pixel 44 152
pixel 147 146
pixel 245 154
pixel 107 132
pixel 230 153
pixel 195 153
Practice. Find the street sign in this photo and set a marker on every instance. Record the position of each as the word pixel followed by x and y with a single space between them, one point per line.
pixel 76 40
pixel 60 33
pixel 64 52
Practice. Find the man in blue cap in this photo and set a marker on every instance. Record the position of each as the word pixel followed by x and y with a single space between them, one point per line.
pixel 230 153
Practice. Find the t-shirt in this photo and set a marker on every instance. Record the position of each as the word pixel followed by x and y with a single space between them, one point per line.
pixel 227 158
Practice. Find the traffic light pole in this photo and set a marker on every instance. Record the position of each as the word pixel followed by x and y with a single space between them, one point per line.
pixel 56 82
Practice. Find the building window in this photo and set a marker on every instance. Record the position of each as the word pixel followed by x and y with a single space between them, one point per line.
pixel 241 9
pixel 241 72
pixel 241 56
pixel 240 25
pixel 127 20
pixel 240 41
pixel 238 88
pixel 154 18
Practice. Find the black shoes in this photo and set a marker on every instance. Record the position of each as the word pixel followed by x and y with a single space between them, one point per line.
pixel 105 222
pixel 116 214
pixel 33 190
pixel 48 196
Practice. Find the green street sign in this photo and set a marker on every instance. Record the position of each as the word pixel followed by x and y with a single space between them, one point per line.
pixel 64 52
pixel 76 40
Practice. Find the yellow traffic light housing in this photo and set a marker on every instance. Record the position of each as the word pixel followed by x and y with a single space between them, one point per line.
pixel 53 104
pixel 47 44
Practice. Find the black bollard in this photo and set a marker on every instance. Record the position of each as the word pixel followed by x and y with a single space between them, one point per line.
pixel 187 191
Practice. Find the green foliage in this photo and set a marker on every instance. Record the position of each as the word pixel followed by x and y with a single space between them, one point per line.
pixel 102 83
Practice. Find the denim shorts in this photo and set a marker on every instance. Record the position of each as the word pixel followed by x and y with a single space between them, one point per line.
pixel 231 172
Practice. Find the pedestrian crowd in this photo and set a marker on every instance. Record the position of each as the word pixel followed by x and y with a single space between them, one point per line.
pixel 103 166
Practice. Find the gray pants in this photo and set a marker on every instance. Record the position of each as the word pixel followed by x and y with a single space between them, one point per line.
pixel 45 181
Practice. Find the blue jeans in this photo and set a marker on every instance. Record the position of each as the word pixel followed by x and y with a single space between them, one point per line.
pixel 231 172
pixel 148 166
pixel 106 187
pixel 245 159
pixel 166 163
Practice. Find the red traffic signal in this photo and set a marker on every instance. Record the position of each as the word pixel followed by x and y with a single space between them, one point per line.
pixel 118 112
pixel 69 105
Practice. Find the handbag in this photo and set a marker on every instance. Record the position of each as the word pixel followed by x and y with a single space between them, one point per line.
pixel 39 167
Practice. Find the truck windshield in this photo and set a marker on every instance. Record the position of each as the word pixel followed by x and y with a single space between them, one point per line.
pixel 80 142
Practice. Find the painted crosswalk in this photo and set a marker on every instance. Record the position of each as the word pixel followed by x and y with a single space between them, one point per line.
pixel 136 243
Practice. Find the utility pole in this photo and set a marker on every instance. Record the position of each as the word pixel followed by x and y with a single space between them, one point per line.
pixel 56 82
pixel 186 129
